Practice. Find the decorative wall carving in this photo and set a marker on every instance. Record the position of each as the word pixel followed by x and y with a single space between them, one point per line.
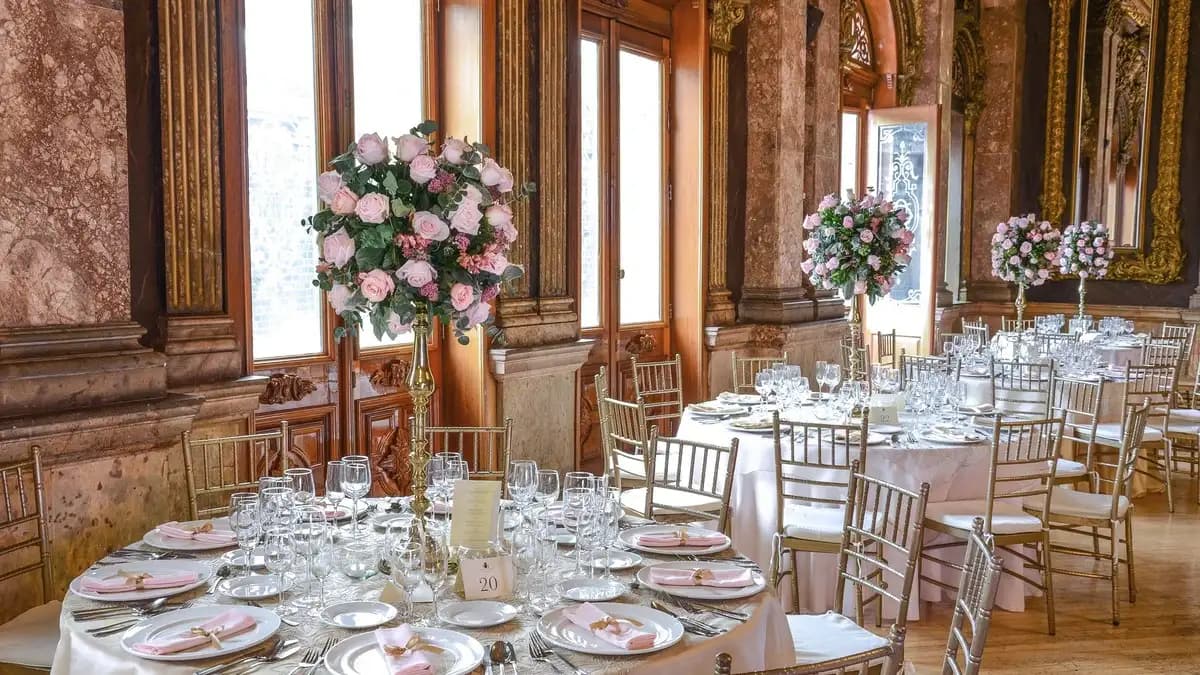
pixel 723 17
pixel 552 176
pixel 389 461
pixel 772 337
pixel 1053 201
pixel 969 69
pixel 910 35
pixel 642 343
pixel 393 373
pixel 285 388
pixel 191 139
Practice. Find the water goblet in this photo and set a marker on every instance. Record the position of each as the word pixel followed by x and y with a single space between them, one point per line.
pixel 244 520
pixel 435 560
pixel 333 483
pixel 547 487
pixel 303 487
pixel 522 482
pixel 407 565
pixel 575 479
pixel 279 552
pixel 356 482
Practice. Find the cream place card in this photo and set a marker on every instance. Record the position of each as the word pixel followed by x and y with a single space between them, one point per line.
pixel 486 578
pixel 475 514
pixel 885 409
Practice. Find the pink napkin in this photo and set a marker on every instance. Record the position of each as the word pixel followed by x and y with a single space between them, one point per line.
pixel 221 626
pixel 682 537
pixel 124 581
pixel 176 531
pixel 337 514
pixel 403 652
pixel 619 632
pixel 701 576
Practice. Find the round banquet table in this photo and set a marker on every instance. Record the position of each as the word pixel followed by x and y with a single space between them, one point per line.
pixel 954 472
pixel 1115 352
pixel 762 642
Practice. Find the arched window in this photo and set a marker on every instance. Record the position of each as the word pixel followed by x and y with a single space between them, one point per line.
pixel 859 74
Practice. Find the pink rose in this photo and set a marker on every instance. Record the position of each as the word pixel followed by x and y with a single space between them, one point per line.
pixel 337 248
pixel 499 215
pixel 810 245
pixel 429 226
pixel 478 313
pixel 395 326
pixel 867 236
pixel 828 202
pixel 409 146
pixel 820 269
pixel 422 169
pixel 1002 228
pixel 860 287
pixel 344 201
pixel 873 262
pixel 371 149
pixel 907 236
pixel 339 298
pixel 506 231
pixel 807 266
pixel 328 185
pixel 373 208
pixel 1036 237
pixel 495 263
pixel 811 221
pixel 375 285
pixel 848 222
pixel 832 264
pixel 506 181
pixel 885 207
pixel 1026 247
pixel 461 296
pixel 1043 273
pixel 454 149
pixel 417 273
pixel 491 173
pixel 466 218
pixel 1015 260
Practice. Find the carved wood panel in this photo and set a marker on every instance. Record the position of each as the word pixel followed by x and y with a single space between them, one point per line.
pixel 384 435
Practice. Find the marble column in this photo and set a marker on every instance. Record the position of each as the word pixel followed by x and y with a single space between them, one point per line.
pixel 1002 27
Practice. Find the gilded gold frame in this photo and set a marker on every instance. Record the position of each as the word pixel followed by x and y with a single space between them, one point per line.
pixel 1162 262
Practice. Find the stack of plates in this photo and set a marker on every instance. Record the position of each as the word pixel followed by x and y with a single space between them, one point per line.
pixel 703 592
pixel 360 655
pixel 715 409
pixel 561 632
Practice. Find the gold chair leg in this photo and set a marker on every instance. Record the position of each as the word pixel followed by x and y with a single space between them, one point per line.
pixel 1116 574
pixel 1048 579
pixel 1167 455
pixel 796 580
pixel 1129 555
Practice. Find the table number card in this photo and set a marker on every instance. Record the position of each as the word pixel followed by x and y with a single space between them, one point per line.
pixel 475 514
pixel 486 578
pixel 885 409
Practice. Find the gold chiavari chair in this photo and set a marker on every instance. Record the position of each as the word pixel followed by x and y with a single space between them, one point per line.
pixel 977 329
pixel 29 640
pixel 943 337
pixel 1186 331
pixel 239 462
pixel 1050 343
pixel 973 607
pixel 485 449
pixel 1155 455
pixel 660 386
pixel 623 431
pixel 1008 325
pixel 1184 430
pixel 1021 389
pixel 746 367
pixel 690 481
pixel 812 476
pixel 886 353
pixel 913 368
pixel 1072 511
pixel 1022 467
pixel 1078 403
pixel 1164 352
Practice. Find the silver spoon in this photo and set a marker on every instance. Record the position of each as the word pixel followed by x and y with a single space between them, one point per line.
pixel 223 572
pixel 510 655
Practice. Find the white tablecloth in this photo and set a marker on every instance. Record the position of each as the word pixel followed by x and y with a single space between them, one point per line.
pixel 954 472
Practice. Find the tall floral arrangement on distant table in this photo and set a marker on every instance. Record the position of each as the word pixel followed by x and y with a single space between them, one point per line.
pixel 858 245
pixel 406 234
pixel 1086 250
pixel 1024 252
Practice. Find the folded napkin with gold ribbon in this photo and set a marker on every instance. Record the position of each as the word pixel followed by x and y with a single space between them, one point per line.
pixel 702 576
pixel 124 581
pixel 613 630
pixel 336 514
pixel 682 537
pixel 202 533
pixel 405 652
pixel 211 632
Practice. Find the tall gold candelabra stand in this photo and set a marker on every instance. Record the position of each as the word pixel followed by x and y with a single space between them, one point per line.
pixel 1082 295
pixel 1020 304
pixel 420 387
pixel 855 322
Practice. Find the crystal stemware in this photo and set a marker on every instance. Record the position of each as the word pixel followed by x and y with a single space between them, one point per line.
pixel 333 483
pixel 303 487
pixel 279 552
pixel 356 482
pixel 244 520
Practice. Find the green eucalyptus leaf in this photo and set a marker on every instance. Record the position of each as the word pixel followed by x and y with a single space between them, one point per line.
pixel 400 208
pixel 390 184
pixel 369 258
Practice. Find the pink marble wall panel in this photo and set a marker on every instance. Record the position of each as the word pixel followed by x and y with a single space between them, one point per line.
pixel 824 110
pixel 64 202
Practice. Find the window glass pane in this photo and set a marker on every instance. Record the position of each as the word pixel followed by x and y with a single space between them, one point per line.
pixel 589 211
pixel 281 145
pixel 641 170
pixel 387 32
pixel 849 178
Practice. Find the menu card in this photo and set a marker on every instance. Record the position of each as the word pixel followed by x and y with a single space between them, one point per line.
pixel 475 514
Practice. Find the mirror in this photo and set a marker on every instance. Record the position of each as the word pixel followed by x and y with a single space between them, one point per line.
pixel 1115 52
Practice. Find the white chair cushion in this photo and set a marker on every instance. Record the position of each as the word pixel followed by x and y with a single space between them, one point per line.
pixel 1109 433
pixel 31 638
pixel 665 498
pixel 1006 518
pixel 824 637
pixel 816 523
pixel 1067 468
pixel 1067 502
pixel 1183 427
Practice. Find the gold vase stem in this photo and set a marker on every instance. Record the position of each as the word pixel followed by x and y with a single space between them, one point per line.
pixel 420 387
pixel 1082 295
pixel 855 323
pixel 1020 307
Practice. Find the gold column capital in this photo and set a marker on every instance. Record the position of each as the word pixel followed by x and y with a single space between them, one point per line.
pixel 724 16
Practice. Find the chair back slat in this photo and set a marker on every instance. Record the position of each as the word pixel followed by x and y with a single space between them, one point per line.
pixel 1023 463
pixel 813 462
pixel 1164 351
pixel 701 469
pixel 221 465
pixel 1113 475
pixel 1010 325
pixel 914 368
pixel 973 606
pixel 485 449
pixel 1022 389
pixel 746 367
pixel 659 385
pixel 977 329
pixel 23 523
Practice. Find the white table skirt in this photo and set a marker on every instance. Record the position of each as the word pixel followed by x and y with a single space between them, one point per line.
pixel 954 472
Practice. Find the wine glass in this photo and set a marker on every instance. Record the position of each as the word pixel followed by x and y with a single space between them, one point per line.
pixel 435 560
pixel 822 375
pixel 575 479
pixel 308 534
pixel 321 563
pixel 525 551
pixel 611 524
pixel 435 478
pixel 764 383
pixel 278 507
pixel 245 523
pixel 333 483
pixel 303 487
pixel 522 482
pixel 356 482
pixel 833 375
pixel 280 553
pixel 576 513
pixel 456 470
pixel 547 487
pixel 407 571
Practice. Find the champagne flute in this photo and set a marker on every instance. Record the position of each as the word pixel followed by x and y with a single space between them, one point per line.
pixel 356 482
pixel 333 483
pixel 245 523
pixel 435 560
pixel 577 502
pixel 303 487
pixel 280 553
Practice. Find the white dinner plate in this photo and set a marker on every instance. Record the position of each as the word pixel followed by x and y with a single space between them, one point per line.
pixel 873 438
pixel 360 655
pixel 153 538
pixel 630 537
pixel 203 572
pixel 617 559
pixel 739 399
pixel 478 613
pixel 752 425
pixel 703 592
pixel 357 614
pixel 238 559
pixel 591 590
pixel 947 435
pixel 559 630
pixel 715 409
pixel 382 521
pixel 181 620
pixel 254 587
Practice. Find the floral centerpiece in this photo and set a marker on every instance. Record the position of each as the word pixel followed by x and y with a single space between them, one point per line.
pixel 858 245
pixel 406 235
pixel 1024 252
pixel 1085 250
pixel 405 231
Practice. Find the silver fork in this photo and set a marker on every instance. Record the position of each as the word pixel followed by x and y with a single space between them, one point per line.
pixel 541 656
pixel 313 657
pixel 537 640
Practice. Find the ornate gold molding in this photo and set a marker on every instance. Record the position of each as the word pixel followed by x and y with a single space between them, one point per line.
pixel 910 37
pixel 969 69
pixel 723 17
pixel 553 270
pixel 285 388
pixel 393 373
pixel 514 142
pixel 1053 201
pixel 191 138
